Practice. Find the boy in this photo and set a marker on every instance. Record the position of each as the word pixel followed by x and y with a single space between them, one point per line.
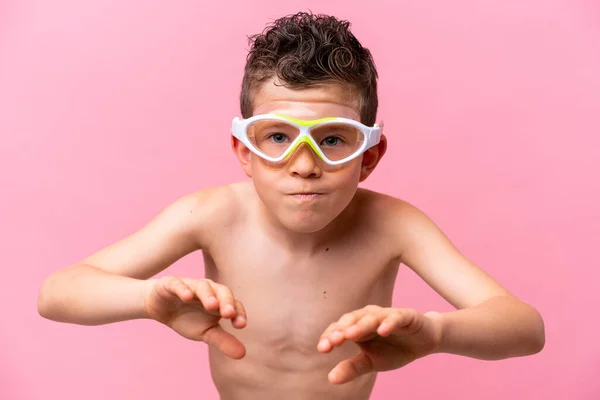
pixel 301 252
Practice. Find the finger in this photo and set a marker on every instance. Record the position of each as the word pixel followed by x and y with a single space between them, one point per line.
pixel 324 345
pixel 328 331
pixel 162 290
pixel 173 287
pixel 224 341
pixel 365 328
pixel 350 318
pixel 206 295
pixel 345 321
pixel 400 321
pixel 350 369
pixel 334 334
pixel 240 319
pixel 389 324
pixel 226 300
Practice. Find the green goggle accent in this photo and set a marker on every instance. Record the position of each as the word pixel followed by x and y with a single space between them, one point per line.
pixel 303 139
pixel 302 122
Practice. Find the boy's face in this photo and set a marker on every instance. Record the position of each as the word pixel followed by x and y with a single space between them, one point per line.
pixel 304 195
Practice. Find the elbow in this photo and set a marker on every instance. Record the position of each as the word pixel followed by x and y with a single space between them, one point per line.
pixel 539 345
pixel 47 302
pixel 54 292
pixel 44 307
pixel 537 340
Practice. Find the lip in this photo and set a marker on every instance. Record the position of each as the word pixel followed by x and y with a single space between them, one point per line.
pixel 306 196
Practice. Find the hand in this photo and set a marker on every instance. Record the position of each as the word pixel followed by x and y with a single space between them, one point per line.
pixel 389 338
pixel 194 307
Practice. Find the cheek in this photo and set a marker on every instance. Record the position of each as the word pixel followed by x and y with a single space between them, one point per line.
pixel 264 179
pixel 347 179
pixel 344 184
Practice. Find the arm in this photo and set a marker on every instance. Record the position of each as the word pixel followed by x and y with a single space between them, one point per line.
pixel 490 323
pixel 111 285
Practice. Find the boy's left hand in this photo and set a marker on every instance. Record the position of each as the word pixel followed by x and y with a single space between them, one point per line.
pixel 389 338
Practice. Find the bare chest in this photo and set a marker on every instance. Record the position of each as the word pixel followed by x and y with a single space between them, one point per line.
pixel 291 299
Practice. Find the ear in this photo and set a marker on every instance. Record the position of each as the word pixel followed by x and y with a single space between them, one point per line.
pixel 372 157
pixel 243 154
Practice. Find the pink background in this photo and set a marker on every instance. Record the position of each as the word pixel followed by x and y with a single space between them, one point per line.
pixel 109 110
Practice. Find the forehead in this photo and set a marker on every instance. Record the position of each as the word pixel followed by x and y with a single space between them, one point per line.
pixel 326 100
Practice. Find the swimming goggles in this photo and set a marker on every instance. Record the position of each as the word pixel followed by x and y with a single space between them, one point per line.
pixel 334 140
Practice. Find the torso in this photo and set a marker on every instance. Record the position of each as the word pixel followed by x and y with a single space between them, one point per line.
pixel 290 299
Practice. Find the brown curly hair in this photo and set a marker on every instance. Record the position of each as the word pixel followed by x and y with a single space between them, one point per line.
pixel 305 50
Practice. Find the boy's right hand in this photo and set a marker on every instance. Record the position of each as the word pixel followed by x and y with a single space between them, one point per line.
pixel 194 307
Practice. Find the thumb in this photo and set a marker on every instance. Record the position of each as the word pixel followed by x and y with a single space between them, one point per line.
pixel 351 368
pixel 224 341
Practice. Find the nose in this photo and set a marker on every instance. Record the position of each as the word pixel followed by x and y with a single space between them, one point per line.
pixel 303 163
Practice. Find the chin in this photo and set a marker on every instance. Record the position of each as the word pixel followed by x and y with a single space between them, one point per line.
pixel 299 223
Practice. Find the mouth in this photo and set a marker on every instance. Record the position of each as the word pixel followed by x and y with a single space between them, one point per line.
pixel 306 195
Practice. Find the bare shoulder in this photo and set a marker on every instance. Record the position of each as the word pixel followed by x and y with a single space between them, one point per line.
pixel 394 219
pixel 385 207
pixel 210 210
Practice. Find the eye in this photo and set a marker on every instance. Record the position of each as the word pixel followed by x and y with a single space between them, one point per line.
pixel 331 141
pixel 278 137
